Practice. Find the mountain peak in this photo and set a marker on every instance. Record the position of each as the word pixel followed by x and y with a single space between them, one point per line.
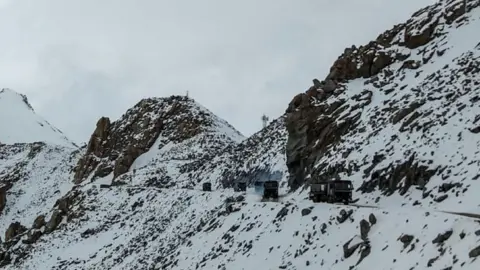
pixel 151 127
pixel 19 122
pixel 13 95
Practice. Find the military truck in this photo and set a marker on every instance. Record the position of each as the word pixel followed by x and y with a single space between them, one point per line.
pixel 207 186
pixel 270 189
pixel 240 186
pixel 331 191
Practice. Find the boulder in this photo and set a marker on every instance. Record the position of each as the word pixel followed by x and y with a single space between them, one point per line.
pixel 54 221
pixel 364 229
pixel 14 230
pixel 39 222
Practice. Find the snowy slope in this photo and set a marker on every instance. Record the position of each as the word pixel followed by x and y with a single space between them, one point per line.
pixel 405 126
pixel 20 124
pixel 37 175
pixel 131 227
pixel 154 216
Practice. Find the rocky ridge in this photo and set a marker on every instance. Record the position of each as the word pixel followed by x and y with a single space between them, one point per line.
pixel 167 130
pixel 386 111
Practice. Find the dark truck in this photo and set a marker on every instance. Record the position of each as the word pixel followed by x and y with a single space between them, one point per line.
pixel 207 186
pixel 331 191
pixel 270 189
pixel 240 186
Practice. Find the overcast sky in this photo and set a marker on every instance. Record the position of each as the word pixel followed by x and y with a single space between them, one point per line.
pixel 80 60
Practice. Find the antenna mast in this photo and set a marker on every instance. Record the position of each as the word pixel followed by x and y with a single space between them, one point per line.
pixel 264 120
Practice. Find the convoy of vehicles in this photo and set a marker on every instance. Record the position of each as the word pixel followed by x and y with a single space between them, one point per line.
pixel 329 191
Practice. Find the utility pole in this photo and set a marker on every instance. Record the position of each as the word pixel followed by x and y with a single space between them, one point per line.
pixel 264 120
pixel 187 93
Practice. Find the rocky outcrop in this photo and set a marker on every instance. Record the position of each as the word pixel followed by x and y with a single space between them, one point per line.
pixel 333 111
pixel 4 187
pixel 14 230
pixel 312 128
pixel 113 147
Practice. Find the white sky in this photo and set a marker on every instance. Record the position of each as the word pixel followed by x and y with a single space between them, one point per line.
pixel 80 60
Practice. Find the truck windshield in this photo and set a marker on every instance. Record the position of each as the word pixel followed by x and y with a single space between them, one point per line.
pixel 343 185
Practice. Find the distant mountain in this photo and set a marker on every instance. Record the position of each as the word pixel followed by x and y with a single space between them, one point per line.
pixel 20 124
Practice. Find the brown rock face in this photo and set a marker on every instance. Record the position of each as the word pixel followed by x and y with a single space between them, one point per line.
pixel 39 222
pixel 95 148
pixel 13 230
pixel 54 221
pixel 420 32
pixel 312 129
pixel 3 199
pixel 361 62
pixel 113 147
pixel 4 187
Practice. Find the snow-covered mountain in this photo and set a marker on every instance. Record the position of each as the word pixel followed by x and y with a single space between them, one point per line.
pixel 20 124
pixel 399 116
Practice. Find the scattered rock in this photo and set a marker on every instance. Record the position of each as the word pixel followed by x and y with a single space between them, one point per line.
pixel 406 239
pixel 364 229
pixel 344 215
pixel 474 252
pixel 442 237
pixel 372 219
pixel 282 213
pixel 306 211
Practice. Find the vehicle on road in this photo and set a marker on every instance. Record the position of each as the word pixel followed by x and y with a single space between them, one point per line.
pixel 240 186
pixel 270 189
pixel 331 191
pixel 207 186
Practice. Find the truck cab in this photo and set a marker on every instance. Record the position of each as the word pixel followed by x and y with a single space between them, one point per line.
pixel 207 186
pixel 331 191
